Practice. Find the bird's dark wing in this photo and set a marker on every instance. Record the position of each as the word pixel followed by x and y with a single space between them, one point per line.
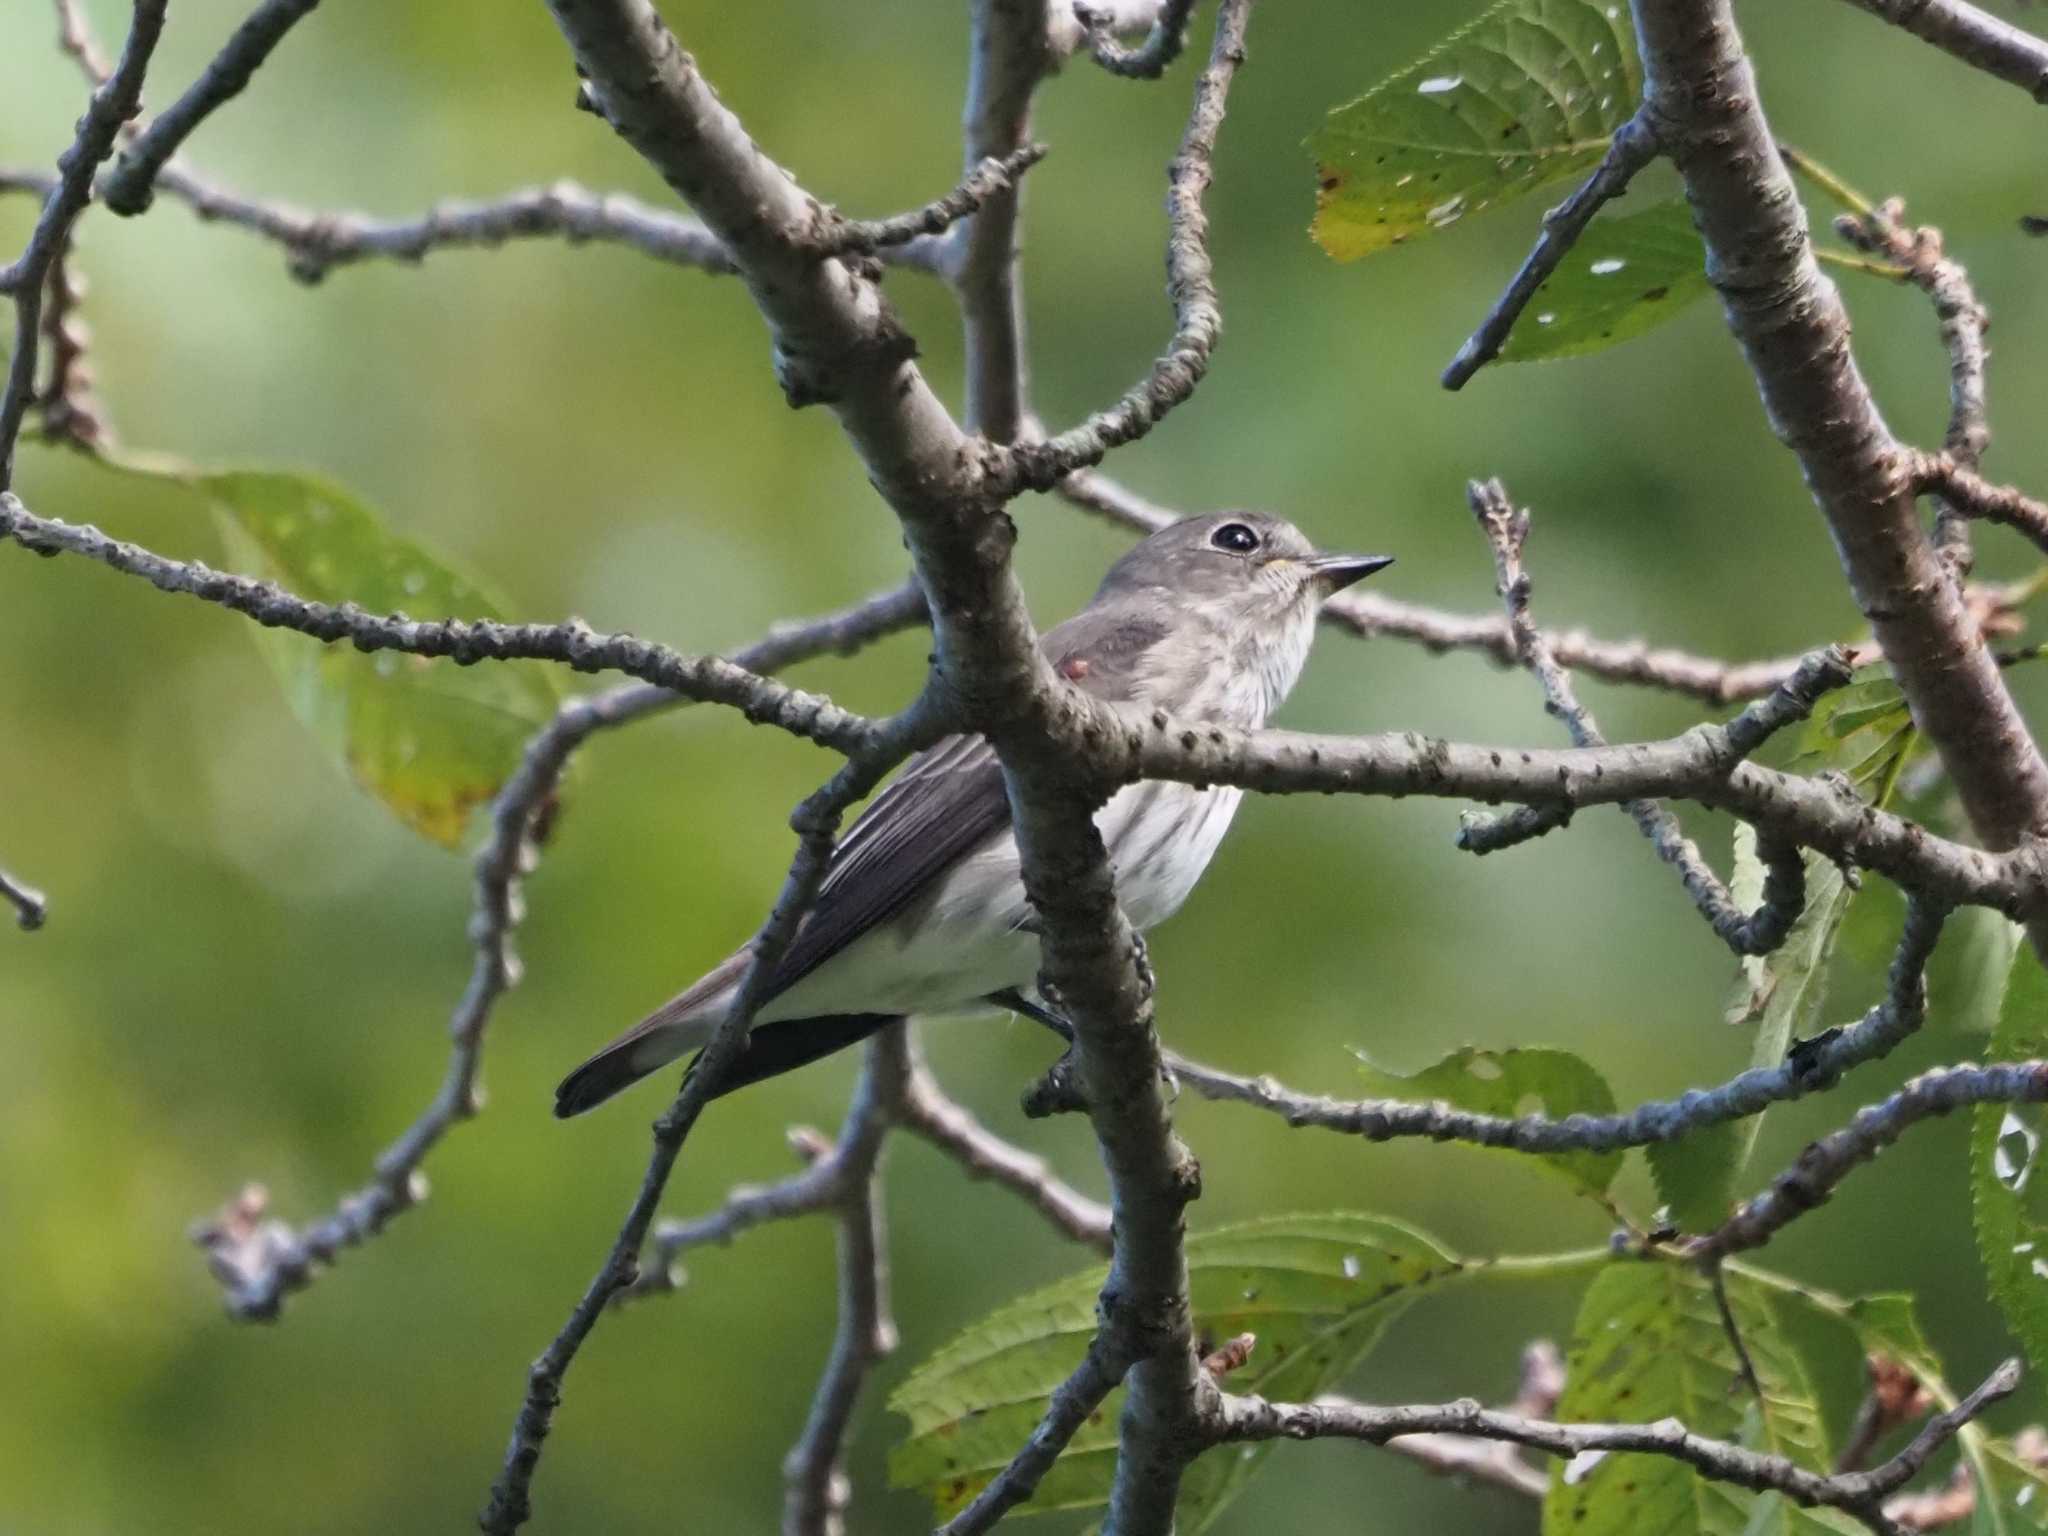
pixel 948 801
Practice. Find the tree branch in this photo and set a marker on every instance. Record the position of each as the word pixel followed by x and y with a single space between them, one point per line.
pixel 1752 933
pixel 815 822
pixel 1633 146
pixel 127 187
pixel 31 907
pixel 1971 495
pixel 1978 38
pixel 1822 1167
pixel 259 1262
pixel 927 1112
pixel 1811 1065
pixel 1882 232
pixel 112 104
pixel 1701 98
pixel 1151 58
pixel 1009 54
pixel 573 643
pixel 993 177
pixel 1861 1494
pixel 1190 283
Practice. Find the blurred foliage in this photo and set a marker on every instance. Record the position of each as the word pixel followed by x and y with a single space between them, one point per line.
pixel 249 964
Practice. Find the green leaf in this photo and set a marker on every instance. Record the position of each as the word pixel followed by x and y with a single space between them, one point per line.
pixel 1511 1083
pixel 1628 274
pixel 1530 92
pixel 1779 998
pixel 2008 1187
pixel 1887 1323
pixel 429 738
pixel 1864 730
pixel 1318 1291
pixel 1650 1344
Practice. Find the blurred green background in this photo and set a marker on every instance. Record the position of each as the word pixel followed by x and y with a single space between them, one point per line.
pixel 249 963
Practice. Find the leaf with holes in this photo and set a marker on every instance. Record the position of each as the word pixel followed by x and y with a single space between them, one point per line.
pixel 1509 1083
pixel 429 738
pixel 1530 92
pixel 1626 275
pixel 1317 1291
pixel 1778 997
pixel 2008 1185
pixel 1650 1344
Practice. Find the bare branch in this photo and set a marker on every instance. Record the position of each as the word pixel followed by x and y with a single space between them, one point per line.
pixel 1009 53
pixel 1810 1066
pixel 864 237
pixel 1072 1402
pixel 1860 1494
pixel 1633 146
pixel 1151 58
pixel 1701 97
pixel 1190 283
pixel 316 243
pixel 1882 232
pixel 260 1261
pixel 1752 933
pixel 815 822
pixel 74 36
pixel 1497 1462
pixel 31 907
pixel 112 104
pixel 1971 495
pixel 127 187
pixel 1822 1167
pixel 574 644
pixel 1975 36
pixel 926 1111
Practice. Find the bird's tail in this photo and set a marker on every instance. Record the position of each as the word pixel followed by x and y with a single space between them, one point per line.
pixel 674 1029
pixel 686 1022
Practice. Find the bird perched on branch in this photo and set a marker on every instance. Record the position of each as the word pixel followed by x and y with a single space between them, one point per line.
pixel 922 909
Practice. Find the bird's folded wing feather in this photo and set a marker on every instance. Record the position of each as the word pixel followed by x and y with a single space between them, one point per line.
pixel 948 801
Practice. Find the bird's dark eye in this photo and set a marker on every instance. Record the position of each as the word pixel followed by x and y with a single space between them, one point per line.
pixel 1236 538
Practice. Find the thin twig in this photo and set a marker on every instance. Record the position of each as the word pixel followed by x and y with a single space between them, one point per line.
pixel 1822 1167
pixel 927 1112
pixel 1975 36
pixel 1072 1402
pixel 1633 146
pixel 1861 1494
pixel 31 907
pixel 1813 1065
pixel 1190 283
pixel 1784 894
pixel 1149 59
pixel 1971 495
pixel 127 188
pixel 112 104
pixel 573 644
pixel 1919 252
pixel 816 822
pixel 864 237
pixel 260 1261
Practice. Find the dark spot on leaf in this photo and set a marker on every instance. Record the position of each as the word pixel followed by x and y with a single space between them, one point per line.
pixel 1511 130
pixel 1329 178
pixel 1653 294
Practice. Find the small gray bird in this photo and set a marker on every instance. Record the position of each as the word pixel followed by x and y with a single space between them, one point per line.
pixel 923 908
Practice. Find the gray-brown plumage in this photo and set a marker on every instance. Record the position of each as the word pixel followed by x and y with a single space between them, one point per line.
pixel 922 909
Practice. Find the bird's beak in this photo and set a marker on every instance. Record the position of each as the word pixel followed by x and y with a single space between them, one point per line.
pixel 1334 573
